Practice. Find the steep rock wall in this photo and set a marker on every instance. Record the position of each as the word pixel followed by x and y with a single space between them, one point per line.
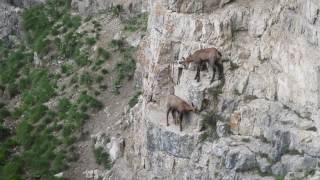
pixel 269 100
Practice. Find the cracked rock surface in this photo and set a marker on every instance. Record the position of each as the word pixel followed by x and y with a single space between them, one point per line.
pixel 269 100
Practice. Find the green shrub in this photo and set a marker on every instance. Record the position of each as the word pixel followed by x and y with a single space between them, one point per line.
pixel 13 90
pixel 71 21
pixel 35 113
pixel 39 20
pixel 91 41
pixel 102 158
pixel 117 44
pixel 135 23
pixel 103 53
pixel 81 59
pixel 99 79
pixel 209 125
pixel 4 133
pixel 89 101
pixel 63 107
pixel 66 69
pixel 11 170
pixel 124 70
pixel 23 133
pixel 117 10
pixel 278 178
pixel 4 112
pixel 134 100
pixel 86 79
pixel 104 71
pixel 99 62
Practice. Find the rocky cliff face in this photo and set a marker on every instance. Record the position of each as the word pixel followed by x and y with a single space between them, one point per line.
pixel 268 105
pixel 9 13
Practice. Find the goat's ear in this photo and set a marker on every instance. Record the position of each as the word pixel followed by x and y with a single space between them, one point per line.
pixel 183 58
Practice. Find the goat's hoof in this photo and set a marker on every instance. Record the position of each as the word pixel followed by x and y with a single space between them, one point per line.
pixel 167 124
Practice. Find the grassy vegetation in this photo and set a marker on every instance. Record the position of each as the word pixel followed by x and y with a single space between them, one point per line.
pixel 134 99
pixel 209 125
pixel 117 10
pixel 41 144
pixel 39 20
pixel 278 178
pixel 102 158
pixel 124 69
pixel 138 22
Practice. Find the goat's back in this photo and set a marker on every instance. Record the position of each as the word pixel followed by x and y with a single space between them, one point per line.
pixel 206 53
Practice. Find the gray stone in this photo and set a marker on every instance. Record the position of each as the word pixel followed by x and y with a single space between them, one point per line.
pixel 240 159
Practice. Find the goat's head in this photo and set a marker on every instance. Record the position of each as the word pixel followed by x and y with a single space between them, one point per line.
pixel 193 108
pixel 186 61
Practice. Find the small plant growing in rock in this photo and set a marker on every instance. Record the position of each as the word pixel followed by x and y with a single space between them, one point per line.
pixel 86 79
pixel 278 178
pixel 209 125
pixel 103 53
pixel 102 158
pixel 134 100
pixel 91 41
pixel 117 10
pixel 137 22
pixel 124 70
pixel 117 44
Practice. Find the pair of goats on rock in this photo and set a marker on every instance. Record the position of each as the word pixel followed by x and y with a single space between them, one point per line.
pixel 200 58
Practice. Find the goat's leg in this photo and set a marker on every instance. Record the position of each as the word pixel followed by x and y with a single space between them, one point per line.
pixel 220 69
pixel 179 75
pixel 168 111
pixel 198 73
pixel 213 73
pixel 174 116
pixel 181 116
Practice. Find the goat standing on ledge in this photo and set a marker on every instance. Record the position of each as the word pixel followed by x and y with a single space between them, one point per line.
pixel 176 104
pixel 203 56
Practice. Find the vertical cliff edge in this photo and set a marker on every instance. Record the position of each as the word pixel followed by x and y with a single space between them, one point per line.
pixel 265 114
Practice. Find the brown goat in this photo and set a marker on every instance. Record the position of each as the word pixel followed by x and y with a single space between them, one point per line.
pixel 203 56
pixel 176 104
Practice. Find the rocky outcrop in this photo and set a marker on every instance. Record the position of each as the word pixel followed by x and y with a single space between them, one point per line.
pixel 9 21
pixel 268 104
pixel 91 7
pixel 10 11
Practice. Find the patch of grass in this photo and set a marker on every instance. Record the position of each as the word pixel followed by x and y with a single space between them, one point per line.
pixel 134 99
pixel 39 20
pixel 138 22
pixel 89 101
pixel 99 79
pixel 4 112
pixel 209 125
pixel 104 71
pixel 91 41
pixel 4 133
pixel 86 79
pixel 102 158
pixel 117 44
pixel 117 10
pixel 66 69
pixel 71 21
pixel 278 178
pixel 103 53
pixel 233 66
pixel 124 70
